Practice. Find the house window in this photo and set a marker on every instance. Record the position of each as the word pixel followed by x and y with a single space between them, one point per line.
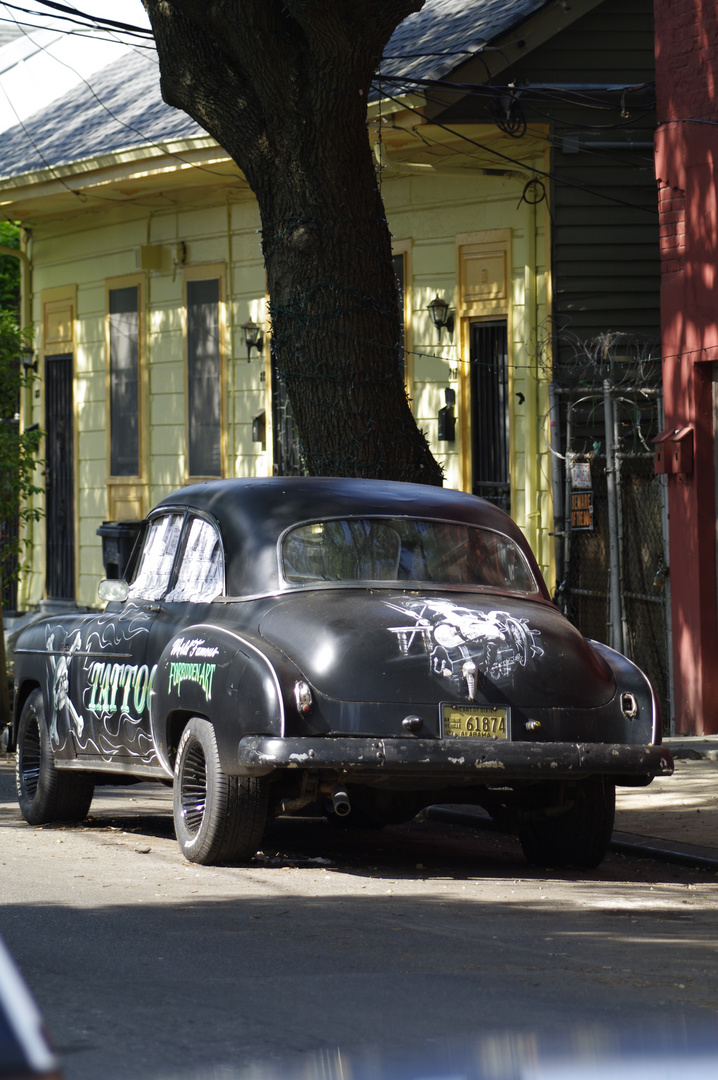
pixel 203 378
pixel 124 381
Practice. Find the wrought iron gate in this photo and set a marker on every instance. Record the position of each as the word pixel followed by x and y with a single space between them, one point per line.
pixel 490 412
pixel 59 479
pixel 611 515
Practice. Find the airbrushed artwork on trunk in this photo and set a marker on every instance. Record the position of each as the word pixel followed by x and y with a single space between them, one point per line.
pixel 465 644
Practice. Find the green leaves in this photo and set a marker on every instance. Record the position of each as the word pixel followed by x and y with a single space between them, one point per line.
pixel 19 451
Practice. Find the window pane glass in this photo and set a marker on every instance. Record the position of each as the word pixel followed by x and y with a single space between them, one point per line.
pixel 157 559
pixel 404 550
pixel 203 378
pixel 201 572
pixel 124 382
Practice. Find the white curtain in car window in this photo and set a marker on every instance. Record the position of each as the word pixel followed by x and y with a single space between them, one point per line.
pixel 158 554
pixel 201 572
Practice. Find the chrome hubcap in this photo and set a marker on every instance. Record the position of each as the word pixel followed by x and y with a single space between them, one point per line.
pixel 29 753
pixel 193 792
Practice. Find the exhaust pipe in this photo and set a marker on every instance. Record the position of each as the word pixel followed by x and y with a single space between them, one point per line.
pixel 340 802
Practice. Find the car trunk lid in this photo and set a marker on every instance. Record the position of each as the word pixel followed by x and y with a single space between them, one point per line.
pixel 387 645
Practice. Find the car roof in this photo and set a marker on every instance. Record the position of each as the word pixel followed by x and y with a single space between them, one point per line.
pixel 252 513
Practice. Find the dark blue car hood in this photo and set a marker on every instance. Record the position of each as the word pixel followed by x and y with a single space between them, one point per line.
pixel 388 645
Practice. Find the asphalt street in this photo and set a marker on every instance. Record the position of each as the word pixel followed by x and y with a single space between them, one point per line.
pixel 331 942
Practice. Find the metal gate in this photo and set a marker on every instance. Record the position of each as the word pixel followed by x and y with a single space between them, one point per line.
pixel 611 515
pixel 490 411
pixel 59 479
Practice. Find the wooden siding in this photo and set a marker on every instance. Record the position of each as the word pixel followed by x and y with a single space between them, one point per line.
pixel 603 200
pixel 605 253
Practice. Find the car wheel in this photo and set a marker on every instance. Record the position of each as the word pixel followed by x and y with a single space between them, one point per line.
pixel 218 818
pixel 578 836
pixel 45 793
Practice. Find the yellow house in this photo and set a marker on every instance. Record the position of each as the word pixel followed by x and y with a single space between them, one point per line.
pixel 146 284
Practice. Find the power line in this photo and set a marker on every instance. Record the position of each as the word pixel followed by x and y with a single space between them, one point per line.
pixel 111 113
pixel 94 35
pixel 523 165
pixel 93 19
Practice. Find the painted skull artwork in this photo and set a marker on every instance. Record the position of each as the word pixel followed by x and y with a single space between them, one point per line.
pixel 462 643
pixel 65 716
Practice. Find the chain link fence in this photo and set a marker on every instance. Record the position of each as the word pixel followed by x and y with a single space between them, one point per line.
pixel 611 507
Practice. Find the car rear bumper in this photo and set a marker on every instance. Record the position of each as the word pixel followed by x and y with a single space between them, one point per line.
pixel 460 759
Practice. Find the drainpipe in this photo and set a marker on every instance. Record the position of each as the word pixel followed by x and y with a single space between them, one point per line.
pixel 560 525
pixel 614 607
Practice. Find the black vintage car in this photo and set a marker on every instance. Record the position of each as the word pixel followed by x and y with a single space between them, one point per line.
pixel 364 647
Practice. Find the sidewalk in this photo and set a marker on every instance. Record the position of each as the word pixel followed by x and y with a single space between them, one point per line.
pixel 676 816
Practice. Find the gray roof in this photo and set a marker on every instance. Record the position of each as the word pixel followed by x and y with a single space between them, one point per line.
pixel 445 33
pixel 117 108
pixel 120 107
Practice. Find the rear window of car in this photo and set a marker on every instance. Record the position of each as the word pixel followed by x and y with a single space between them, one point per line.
pixel 402 550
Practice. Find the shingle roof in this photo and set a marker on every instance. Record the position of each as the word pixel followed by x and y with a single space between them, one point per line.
pixel 435 40
pixel 120 107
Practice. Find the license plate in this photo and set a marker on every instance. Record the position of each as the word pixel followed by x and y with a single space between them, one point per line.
pixel 475 721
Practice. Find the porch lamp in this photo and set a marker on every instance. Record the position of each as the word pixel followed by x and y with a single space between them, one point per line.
pixel 253 338
pixel 27 354
pixel 439 311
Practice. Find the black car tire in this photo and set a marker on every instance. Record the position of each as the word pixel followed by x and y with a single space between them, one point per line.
pixel 219 819
pixel 45 793
pixel 579 836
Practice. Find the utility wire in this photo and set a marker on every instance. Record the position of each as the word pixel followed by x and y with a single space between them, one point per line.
pixel 94 19
pixel 524 166
pixel 115 117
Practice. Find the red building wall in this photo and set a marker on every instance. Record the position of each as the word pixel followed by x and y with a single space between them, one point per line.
pixel 686 170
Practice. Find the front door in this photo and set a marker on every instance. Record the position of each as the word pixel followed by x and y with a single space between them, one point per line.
pixel 490 411
pixel 59 479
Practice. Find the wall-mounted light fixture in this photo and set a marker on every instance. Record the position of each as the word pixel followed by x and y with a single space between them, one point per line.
pixel 253 338
pixel 447 420
pixel 26 358
pixel 439 311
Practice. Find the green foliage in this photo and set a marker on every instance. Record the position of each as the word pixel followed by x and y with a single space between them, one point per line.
pixel 9 268
pixel 19 452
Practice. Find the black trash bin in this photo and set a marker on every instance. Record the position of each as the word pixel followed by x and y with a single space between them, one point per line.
pixel 118 540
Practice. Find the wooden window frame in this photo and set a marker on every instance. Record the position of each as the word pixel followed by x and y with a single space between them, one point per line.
pixel 127 496
pixel 492 243
pixel 208 272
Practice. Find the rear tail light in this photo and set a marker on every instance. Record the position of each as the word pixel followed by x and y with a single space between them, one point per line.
pixel 303 697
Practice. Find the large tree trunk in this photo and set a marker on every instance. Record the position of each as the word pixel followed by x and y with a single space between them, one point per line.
pixel 282 86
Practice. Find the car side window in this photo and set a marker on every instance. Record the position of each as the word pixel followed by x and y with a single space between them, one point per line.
pixel 201 570
pixel 157 558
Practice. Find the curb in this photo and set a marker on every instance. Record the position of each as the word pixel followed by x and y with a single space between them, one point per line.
pixel 624 843
pixel 665 850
